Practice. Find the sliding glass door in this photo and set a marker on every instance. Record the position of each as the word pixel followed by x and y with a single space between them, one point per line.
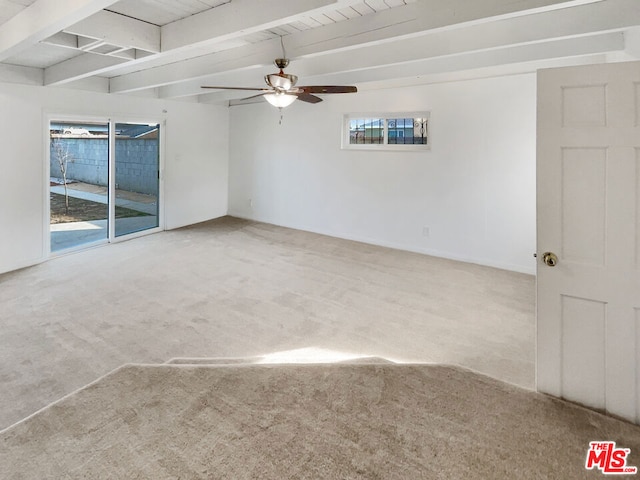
pixel 104 181
pixel 137 156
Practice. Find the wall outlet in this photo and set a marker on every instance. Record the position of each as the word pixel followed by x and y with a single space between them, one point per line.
pixel 426 232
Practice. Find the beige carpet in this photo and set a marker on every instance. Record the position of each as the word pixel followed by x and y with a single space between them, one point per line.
pixel 307 421
pixel 234 288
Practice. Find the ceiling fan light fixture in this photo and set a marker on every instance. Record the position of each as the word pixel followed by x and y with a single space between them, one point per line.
pixel 280 99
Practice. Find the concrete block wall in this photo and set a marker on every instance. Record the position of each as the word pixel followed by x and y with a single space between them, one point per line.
pixel 88 159
pixel 137 165
pixel 136 162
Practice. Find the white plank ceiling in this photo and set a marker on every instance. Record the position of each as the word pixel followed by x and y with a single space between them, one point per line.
pixel 168 48
pixel 10 8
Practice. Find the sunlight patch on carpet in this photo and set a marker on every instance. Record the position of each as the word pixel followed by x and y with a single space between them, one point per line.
pixel 311 355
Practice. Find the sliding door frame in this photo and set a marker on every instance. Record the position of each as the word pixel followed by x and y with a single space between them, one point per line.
pixel 111 195
pixel 112 177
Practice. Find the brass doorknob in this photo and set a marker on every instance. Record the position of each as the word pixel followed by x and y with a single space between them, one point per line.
pixel 550 259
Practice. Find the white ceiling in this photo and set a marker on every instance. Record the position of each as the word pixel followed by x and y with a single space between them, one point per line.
pixel 168 49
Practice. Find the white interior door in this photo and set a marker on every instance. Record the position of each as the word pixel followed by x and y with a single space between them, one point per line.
pixel 588 178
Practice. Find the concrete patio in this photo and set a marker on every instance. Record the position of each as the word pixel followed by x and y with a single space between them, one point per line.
pixel 65 236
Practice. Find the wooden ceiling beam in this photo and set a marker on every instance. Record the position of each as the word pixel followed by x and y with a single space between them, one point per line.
pixel 120 30
pixel 43 19
pixel 183 38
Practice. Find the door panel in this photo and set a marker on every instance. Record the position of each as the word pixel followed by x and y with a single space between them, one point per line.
pixel 584 106
pixel 588 178
pixel 78 183
pixel 637 217
pixel 137 157
pixel 583 188
pixel 583 356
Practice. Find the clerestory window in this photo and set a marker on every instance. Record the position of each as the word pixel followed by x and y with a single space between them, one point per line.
pixel 396 131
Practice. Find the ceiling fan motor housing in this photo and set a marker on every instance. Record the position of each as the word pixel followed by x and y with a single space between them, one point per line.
pixel 281 81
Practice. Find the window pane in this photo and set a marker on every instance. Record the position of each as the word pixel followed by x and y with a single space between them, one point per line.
pixel 78 192
pixel 137 163
pixel 366 131
pixel 412 131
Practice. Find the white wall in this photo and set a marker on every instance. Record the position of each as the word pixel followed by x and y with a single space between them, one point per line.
pixel 475 189
pixel 195 169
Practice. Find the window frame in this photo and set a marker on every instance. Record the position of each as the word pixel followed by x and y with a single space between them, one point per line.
pixel 385 145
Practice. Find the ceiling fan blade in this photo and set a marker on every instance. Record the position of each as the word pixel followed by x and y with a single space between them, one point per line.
pixel 328 89
pixel 307 97
pixel 239 88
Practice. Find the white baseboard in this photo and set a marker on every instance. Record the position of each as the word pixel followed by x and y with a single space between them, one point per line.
pixel 397 246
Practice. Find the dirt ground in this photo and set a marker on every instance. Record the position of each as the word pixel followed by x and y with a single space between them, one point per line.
pixel 84 210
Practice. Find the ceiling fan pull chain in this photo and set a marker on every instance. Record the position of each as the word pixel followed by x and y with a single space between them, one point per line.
pixel 281 116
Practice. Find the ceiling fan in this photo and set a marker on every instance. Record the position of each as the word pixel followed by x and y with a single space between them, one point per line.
pixel 281 90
